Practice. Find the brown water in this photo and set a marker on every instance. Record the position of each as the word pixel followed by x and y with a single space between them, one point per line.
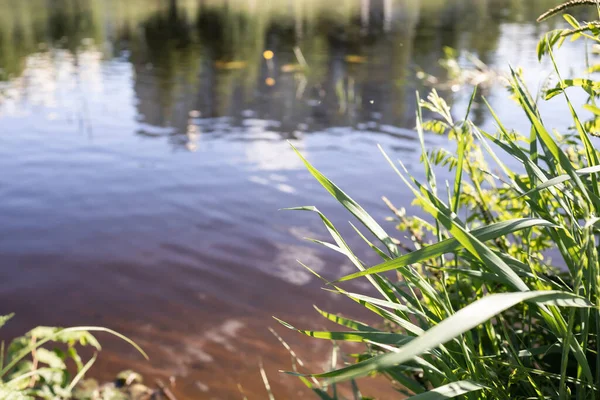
pixel 144 157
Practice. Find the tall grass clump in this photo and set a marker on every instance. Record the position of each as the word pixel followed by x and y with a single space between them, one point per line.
pixel 474 307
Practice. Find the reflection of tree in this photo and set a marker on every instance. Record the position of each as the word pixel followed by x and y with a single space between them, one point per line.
pixel 71 21
pixel 207 55
pixel 24 25
pixel 166 61
pixel 17 40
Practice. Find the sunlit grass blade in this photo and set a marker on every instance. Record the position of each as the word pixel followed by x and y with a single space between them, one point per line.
pixel 265 379
pixel 349 323
pixel 449 391
pixel 549 143
pixel 353 336
pixel 5 318
pixel 311 384
pixel 342 246
pixel 455 325
pixel 295 358
pixel 563 178
pixel 591 153
pixel 352 206
pixel 456 228
pixel 82 372
pixel 384 303
pixel 371 245
pixel 430 175
pixel 451 245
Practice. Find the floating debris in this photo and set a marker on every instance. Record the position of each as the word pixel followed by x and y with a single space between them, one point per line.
pixel 268 54
pixel 355 59
pixel 230 65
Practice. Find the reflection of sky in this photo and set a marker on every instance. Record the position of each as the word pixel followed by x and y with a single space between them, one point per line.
pixel 272 156
pixel 516 48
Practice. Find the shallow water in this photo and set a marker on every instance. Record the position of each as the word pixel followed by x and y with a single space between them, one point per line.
pixel 144 157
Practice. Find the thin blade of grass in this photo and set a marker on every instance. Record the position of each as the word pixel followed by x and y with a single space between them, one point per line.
pixel 347 322
pixel 456 228
pixel 371 245
pixel 451 245
pixel 265 380
pixel 550 144
pixel 341 244
pixel 82 372
pixel 352 206
pixel 5 318
pixel 455 325
pixel 563 178
pixel 353 336
pixel 449 391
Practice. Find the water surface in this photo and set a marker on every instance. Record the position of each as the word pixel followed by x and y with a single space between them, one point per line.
pixel 144 155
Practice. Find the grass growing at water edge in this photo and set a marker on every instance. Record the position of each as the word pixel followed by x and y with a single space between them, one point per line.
pixel 475 308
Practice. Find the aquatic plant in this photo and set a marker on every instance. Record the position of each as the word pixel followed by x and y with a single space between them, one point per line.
pixel 471 303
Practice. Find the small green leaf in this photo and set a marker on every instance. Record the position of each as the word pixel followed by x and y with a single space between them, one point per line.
pixel 5 318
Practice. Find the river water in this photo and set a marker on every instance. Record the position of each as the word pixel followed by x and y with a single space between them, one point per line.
pixel 145 154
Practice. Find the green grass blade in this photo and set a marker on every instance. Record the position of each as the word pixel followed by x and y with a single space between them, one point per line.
pixel 428 170
pixel 342 246
pixel 371 245
pixel 550 144
pixel 348 323
pixel 5 318
pixel 352 206
pixel 451 245
pixel 449 391
pixel 82 372
pixel 563 178
pixel 459 323
pixel 354 336
pixel 591 154
pixel 455 227
pixel 383 303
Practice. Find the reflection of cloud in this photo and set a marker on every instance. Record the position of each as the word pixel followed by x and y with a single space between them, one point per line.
pixel 193 135
pixel 272 155
pixel 286 264
pixel 37 85
pixel 302 232
pixel 269 181
pixel 58 85
pixel 225 335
